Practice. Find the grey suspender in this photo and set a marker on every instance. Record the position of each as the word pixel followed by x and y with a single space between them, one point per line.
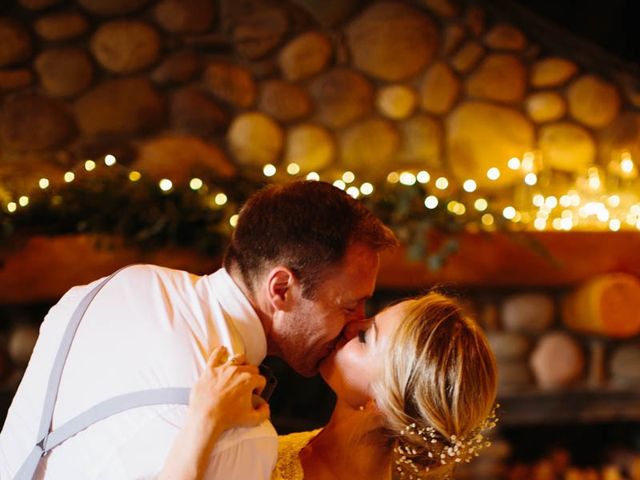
pixel 47 439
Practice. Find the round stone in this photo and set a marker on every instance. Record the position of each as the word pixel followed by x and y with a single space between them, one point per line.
pixel 369 146
pixel 467 57
pixel 29 122
pixel 452 38
pixel 396 101
pixel 557 361
pixel 125 46
pixel 545 106
pixel 284 101
pixel 305 55
pixel 391 40
pixel 180 158
pixel 567 146
pixel 421 142
pixel 184 16
pixel 177 68
pixel 552 72
pixel 61 26
pixel 329 14
pixel 112 7
pixel 120 106
pixel 341 96
pixel 194 112
pixel 475 19
pixel 482 135
pixel 528 312
pixel 310 146
pixel 440 89
pixel 593 101
pixel 505 37
pixel 442 8
pixel 255 139
pixel 499 77
pixel 15 43
pixel 64 72
pixel 231 83
pixel 260 32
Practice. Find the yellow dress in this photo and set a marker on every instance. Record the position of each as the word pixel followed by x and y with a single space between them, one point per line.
pixel 288 466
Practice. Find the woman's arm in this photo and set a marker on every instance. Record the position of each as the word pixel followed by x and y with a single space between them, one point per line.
pixel 222 398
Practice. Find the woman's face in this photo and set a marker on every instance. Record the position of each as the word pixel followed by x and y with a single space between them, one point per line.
pixel 357 363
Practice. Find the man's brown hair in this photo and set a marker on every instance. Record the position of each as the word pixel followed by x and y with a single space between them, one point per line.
pixel 306 226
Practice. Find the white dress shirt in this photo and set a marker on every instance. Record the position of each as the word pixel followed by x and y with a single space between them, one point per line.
pixel 149 327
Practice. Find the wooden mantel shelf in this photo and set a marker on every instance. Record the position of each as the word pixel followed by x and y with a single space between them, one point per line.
pixel 45 267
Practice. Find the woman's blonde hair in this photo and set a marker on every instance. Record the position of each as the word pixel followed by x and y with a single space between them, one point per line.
pixel 438 383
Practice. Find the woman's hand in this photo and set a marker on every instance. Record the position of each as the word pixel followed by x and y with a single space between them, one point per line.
pixel 227 393
pixel 224 397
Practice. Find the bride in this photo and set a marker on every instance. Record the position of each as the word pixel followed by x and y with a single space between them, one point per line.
pixel 414 392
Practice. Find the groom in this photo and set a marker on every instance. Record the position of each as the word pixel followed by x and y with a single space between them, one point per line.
pixel 302 262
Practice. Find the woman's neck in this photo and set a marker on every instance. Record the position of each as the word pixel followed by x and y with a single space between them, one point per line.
pixel 351 445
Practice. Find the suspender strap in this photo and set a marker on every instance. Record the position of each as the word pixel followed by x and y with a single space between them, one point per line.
pixel 50 439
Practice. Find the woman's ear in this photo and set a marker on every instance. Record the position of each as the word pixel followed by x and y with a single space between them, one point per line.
pixel 280 282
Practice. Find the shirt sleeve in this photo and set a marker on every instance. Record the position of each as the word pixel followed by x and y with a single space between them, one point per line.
pixel 244 455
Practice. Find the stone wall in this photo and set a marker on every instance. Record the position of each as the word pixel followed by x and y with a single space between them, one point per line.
pixel 175 88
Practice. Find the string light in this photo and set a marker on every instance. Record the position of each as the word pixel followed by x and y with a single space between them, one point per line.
pixel 43 183
pixel 442 183
pixel 313 176
pixel 431 202
pixel 339 184
pixel 393 177
pixel 366 188
pixel 348 177
pixel 12 207
pixel 614 224
pixel 539 224
pixel 353 191
pixel 407 178
pixel 89 165
pixel 23 201
pixel 196 184
pixel 493 173
pixel 269 170
pixel 293 168
pixel 531 179
pixel 469 186
pixel 487 219
pixel 423 176
pixel 514 163
pixel 614 201
pixel 69 177
pixel 220 199
pixel 233 220
pixel 481 204
pixel 165 184
pixel 134 176
pixel 109 160
pixel 509 213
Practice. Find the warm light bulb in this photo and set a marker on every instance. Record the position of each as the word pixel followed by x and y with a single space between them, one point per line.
pixel 538 200
pixel 393 177
pixel 366 188
pixel 407 178
pixel 43 183
pixel 23 201
pixel 487 219
pixel 531 179
pixel 196 184
pixel 109 160
pixel 431 202
pixel 614 224
pixel 469 186
pixel 481 204
pixel 69 177
pixel 269 170
pixel 89 165
pixel 509 213
pixel 442 183
pixel 423 176
pixel 539 224
pixel 293 168
pixel 12 207
pixel 353 191
pixel 348 177
pixel 134 176
pixel 220 199
pixel 313 176
pixel 626 165
pixel 233 220
pixel 165 184
pixel 614 201
pixel 551 202
pixel 493 173
pixel 514 163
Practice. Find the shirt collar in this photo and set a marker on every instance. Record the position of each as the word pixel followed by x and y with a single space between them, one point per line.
pixel 239 310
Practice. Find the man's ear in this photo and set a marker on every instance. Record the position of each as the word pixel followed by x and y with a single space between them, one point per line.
pixel 280 282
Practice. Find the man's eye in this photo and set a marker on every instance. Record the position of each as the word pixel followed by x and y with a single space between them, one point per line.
pixel 362 336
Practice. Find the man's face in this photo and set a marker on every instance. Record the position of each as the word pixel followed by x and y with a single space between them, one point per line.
pixel 307 332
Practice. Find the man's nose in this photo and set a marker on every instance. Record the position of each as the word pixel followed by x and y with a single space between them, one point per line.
pixel 352 328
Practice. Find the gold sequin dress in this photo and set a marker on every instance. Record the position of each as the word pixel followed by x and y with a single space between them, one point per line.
pixel 288 466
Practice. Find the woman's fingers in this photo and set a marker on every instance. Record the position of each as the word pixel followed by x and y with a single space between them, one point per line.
pixel 218 356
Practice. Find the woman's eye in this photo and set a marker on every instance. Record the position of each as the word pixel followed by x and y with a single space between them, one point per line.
pixel 362 336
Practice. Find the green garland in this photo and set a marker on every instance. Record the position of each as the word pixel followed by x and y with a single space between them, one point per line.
pixel 145 217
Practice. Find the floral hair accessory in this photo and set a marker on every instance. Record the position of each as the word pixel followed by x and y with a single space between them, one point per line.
pixel 438 450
